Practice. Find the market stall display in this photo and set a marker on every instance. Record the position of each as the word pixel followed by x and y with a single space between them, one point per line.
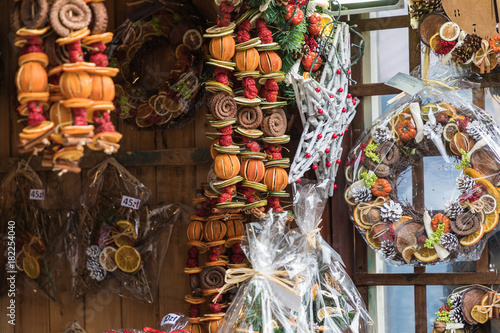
pixel 160 56
pixel 416 229
pixel 119 243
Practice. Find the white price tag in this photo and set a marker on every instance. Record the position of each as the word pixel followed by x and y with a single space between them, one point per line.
pixel 409 84
pixel 130 202
pixel 171 318
pixel 37 194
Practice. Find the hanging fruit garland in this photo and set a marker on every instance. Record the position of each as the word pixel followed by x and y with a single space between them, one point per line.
pixel 75 91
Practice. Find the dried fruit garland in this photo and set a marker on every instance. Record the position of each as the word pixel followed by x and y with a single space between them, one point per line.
pixel 401 233
pixel 76 92
pixel 252 182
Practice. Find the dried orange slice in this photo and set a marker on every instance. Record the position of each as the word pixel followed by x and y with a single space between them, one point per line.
pixel 358 219
pixel 473 238
pixel 450 130
pixel 40 129
pixel 426 255
pixel 403 219
pixel 329 311
pixel 69 153
pixel 433 42
pixel 127 230
pixel 128 259
pixel 485 300
pixel 314 291
pixel 107 259
pixel 183 51
pixel 449 31
pixel 31 266
pixel 193 39
pixel 374 243
pixel 449 110
pixel 480 314
pixel 113 137
pixel 490 203
pixel 490 221
pixel 408 252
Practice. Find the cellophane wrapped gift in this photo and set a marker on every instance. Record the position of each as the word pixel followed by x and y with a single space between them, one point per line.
pixel 330 299
pixel 422 180
pixel 36 232
pixel 269 301
pixel 119 244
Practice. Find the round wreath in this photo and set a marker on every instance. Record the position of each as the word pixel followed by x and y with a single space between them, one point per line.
pixel 434 123
pixel 145 96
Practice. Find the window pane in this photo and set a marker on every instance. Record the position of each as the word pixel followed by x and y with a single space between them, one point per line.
pixel 386 54
pixel 389 311
pixel 439 182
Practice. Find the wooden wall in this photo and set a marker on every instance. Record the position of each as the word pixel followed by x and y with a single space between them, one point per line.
pixel 167 183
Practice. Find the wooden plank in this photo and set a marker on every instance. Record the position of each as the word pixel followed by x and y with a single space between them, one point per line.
pixel 423 279
pixel 102 311
pixel 414 43
pixel 5 83
pixel 382 23
pixel 420 309
pixel 167 157
pixel 32 306
pixel 372 89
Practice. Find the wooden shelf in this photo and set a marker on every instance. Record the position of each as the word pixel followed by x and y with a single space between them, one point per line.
pixel 165 157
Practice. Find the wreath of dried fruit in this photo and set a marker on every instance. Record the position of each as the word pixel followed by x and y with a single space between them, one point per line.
pixel 400 232
pixel 162 91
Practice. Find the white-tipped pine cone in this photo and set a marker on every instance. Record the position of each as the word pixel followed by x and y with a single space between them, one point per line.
pixel 449 241
pixel 388 250
pixel 476 129
pixel 361 194
pixel 452 209
pixel 465 183
pixel 381 134
pixel 391 211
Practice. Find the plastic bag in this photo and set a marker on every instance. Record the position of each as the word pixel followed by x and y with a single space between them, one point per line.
pixel 36 232
pixel 160 53
pixel 120 243
pixel 421 181
pixel 172 322
pixel 270 300
pixel 331 300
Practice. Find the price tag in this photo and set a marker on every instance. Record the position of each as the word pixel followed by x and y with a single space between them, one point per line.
pixel 130 202
pixel 171 318
pixel 37 194
pixel 409 84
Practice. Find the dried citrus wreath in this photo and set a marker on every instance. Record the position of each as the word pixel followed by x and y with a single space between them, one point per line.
pixel 161 61
pixel 426 126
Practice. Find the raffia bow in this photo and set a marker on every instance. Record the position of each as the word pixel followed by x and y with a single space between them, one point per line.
pixel 488 309
pixel 365 207
pixel 474 207
pixel 235 276
pixel 482 59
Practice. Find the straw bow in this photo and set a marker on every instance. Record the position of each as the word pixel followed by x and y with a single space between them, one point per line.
pixel 488 309
pixel 235 276
pixel 365 207
pixel 474 207
pixel 482 59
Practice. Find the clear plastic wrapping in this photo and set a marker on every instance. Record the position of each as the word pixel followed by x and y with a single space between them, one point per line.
pixel 37 232
pixel 330 299
pixel 269 301
pixel 422 180
pixel 119 243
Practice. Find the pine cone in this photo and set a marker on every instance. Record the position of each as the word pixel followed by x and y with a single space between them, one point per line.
pixel 430 128
pixel 381 134
pixel 388 249
pixel 456 315
pixel 92 264
pixel 476 130
pixel 361 194
pixel 449 241
pixel 98 274
pixel 461 54
pixel 465 183
pixel 473 42
pixel 434 6
pixel 93 251
pixel 391 211
pixel 306 49
pixel 455 301
pixel 417 10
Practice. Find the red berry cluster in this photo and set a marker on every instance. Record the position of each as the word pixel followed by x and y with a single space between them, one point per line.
pixel 243 34
pixel 265 34
pixel 444 47
pixel 224 18
pixel 250 90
